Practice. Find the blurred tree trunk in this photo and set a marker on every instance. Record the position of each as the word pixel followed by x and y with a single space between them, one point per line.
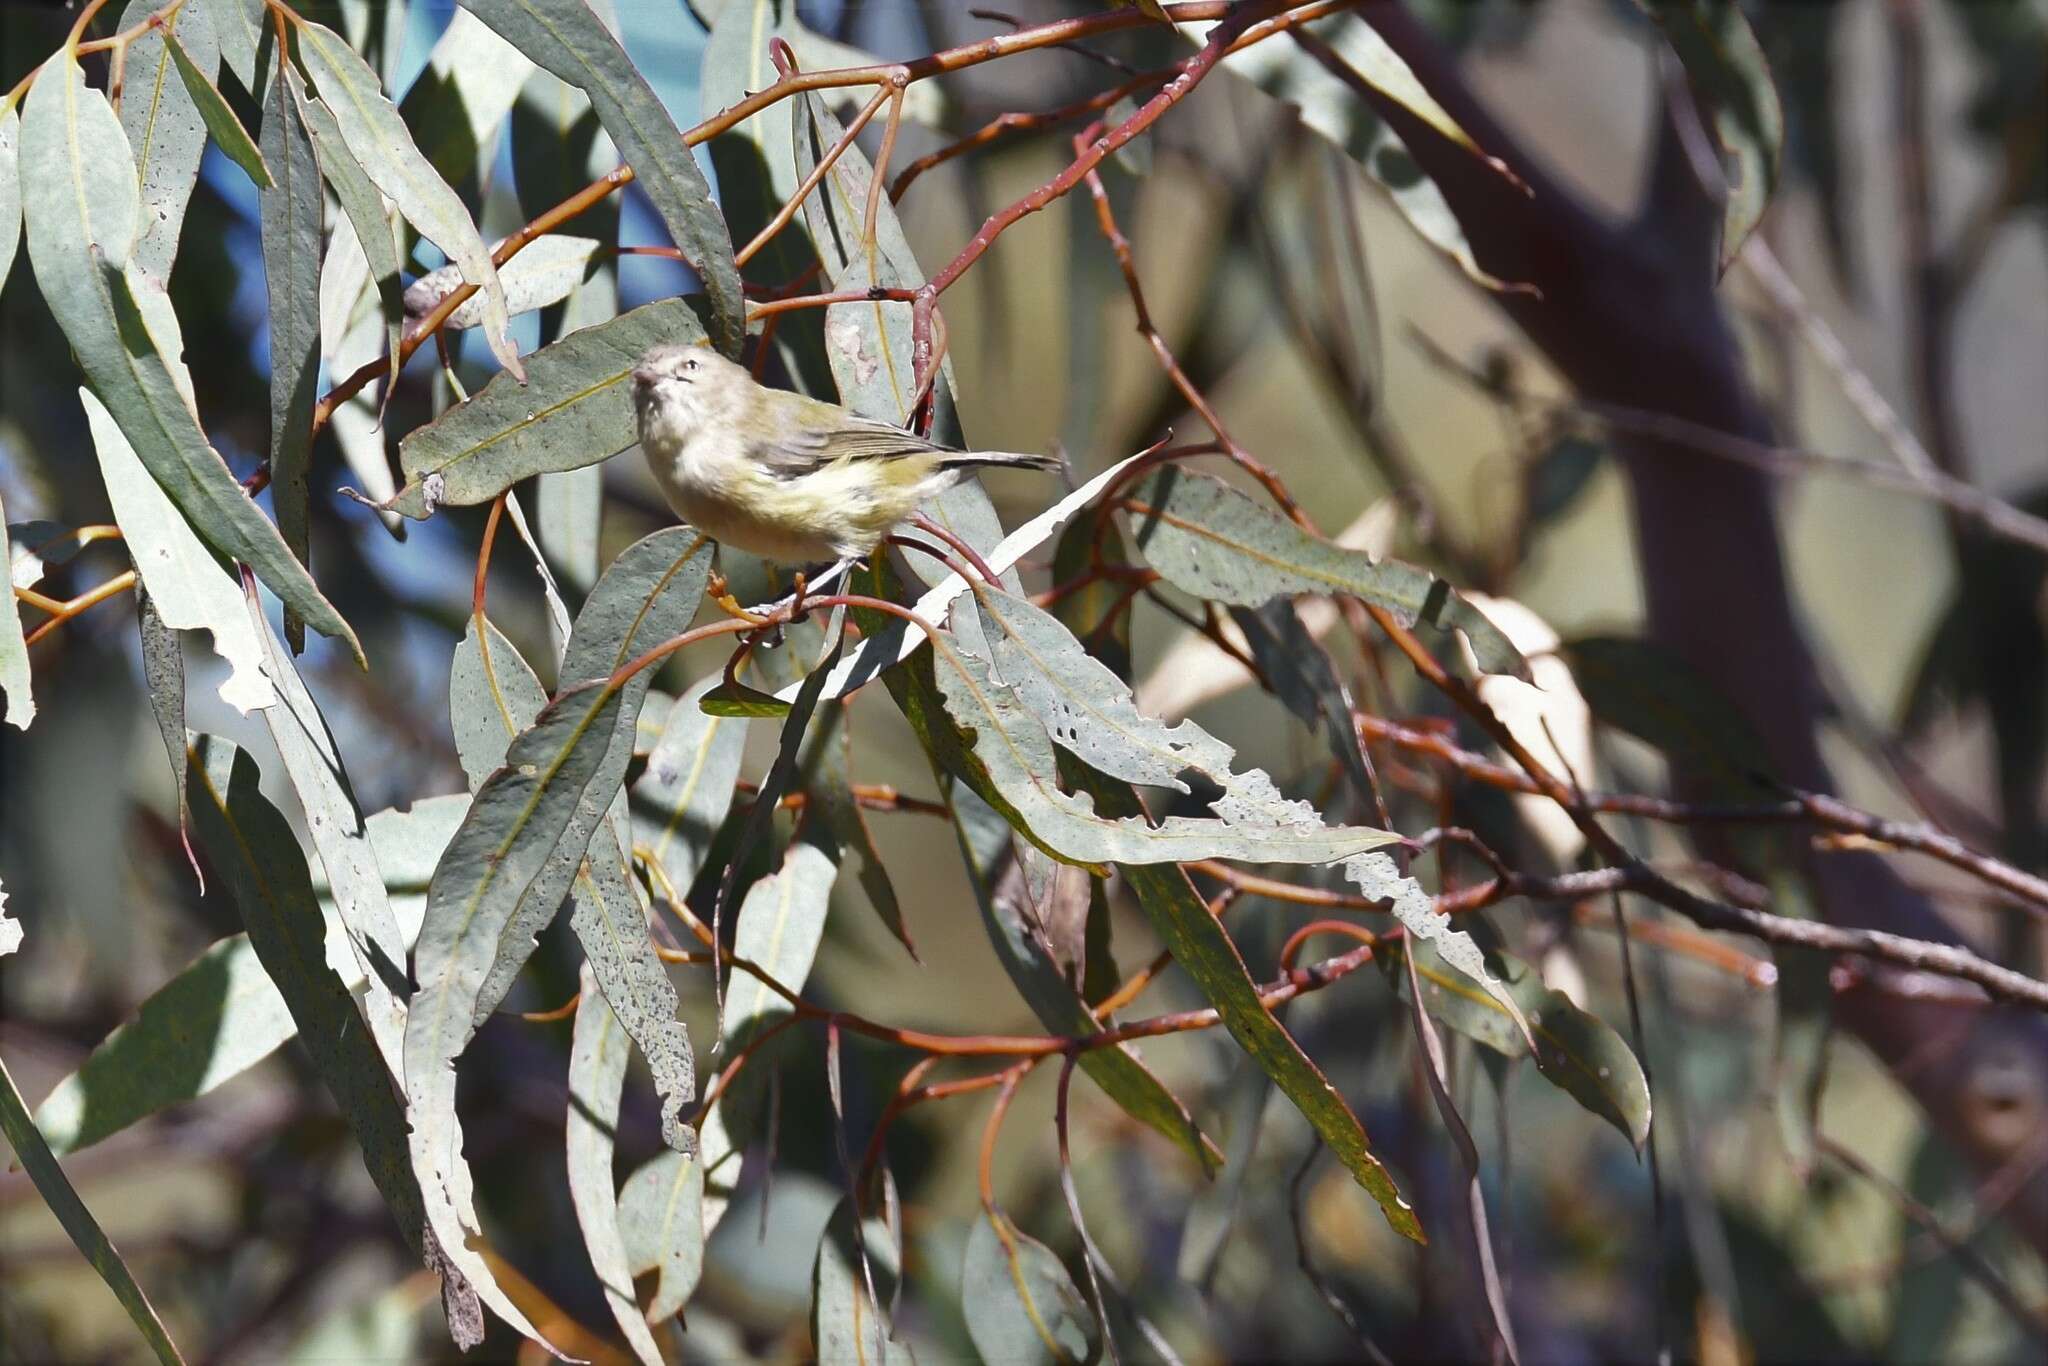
pixel 1629 313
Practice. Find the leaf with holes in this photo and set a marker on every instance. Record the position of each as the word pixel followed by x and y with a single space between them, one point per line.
pixel 166 128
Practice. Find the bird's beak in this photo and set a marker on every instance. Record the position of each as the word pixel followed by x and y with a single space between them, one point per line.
pixel 645 376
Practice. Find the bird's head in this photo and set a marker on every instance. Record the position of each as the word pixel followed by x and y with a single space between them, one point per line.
pixel 686 383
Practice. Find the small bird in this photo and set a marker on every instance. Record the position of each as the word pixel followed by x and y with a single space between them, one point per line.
pixel 792 479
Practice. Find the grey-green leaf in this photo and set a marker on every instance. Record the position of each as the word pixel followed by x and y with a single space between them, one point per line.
pixel 682 796
pixel 165 126
pixel 661 1213
pixel 545 271
pixel 566 38
pixel 597 1078
pixel 78 243
pixel 10 189
pixel 163 673
pixel 848 1328
pixel 363 204
pixel 215 1020
pixel 575 410
pixel 220 120
pixel 77 1221
pixel 191 590
pixel 248 841
pixel 14 670
pixel 493 694
pixel 1213 541
pixel 239 26
pixel 780 926
pixel 290 205
pixel 984 836
pixel 379 140
pixel 1021 1306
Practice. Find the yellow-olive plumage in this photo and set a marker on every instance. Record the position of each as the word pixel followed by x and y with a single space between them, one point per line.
pixel 792 479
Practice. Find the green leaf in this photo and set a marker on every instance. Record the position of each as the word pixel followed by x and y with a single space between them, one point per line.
pixel 212 1022
pixel 166 127
pixel 545 272
pixel 77 1221
pixel 567 39
pixel 1214 542
pixel 1213 1214
pixel 14 671
pixel 1645 689
pixel 1576 1052
pixel 570 520
pixel 1305 679
pixel 847 1327
pixel 78 244
pixel 661 1214
pixel 381 143
pixel 983 836
pixel 248 841
pixel 363 205
pixel 191 590
pixel 290 205
pixel 597 1078
pixel 472 79
pixel 1728 72
pixel 163 675
pixel 1205 951
pixel 780 926
pixel 10 189
pixel 828 786
pixel 220 120
pixel 575 410
pixel 239 24
pixel 756 173
pixel 1332 108
pixel 341 837
pixel 493 695
pixel 520 846
pixel 682 797
pixel 1021 1306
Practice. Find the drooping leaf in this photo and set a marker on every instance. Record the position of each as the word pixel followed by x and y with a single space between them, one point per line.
pixel 341 838
pixel 213 1021
pixel 10 189
pixel 1020 1304
pixel 567 39
pixel 756 173
pixel 227 130
pixel 1305 679
pixel 363 205
pixel 1213 1213
pixel 472 79
pixel 1213 541
pixel 78 243
pixel 661 1214
pixel 190 589
pixel 77 1221
pixel 984 835
pixel 249 842
pixel 575 410
pixel 1576 1052
pixel 381 143
pixel 493 695
pixel 166 128
pixel 14 670
pixel 1205 951
pixel 1643 688
pixel 543 273
pixel 1726 66
pixel 597 1079
pixel 828 790
pixel 848 1328
pixel 780 925
pixel 290 204
pixel 239 26
pixel 570 520
pixel 163 674
pixel 681 799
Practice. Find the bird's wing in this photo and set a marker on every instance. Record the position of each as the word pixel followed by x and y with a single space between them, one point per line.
pixel 795 455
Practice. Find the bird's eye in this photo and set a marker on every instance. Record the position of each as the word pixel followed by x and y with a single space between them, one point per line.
pixel 690 364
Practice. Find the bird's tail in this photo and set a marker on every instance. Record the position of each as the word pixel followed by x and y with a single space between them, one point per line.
pixel 967 460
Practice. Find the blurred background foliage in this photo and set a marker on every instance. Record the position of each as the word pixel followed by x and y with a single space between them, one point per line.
pixel 248 1214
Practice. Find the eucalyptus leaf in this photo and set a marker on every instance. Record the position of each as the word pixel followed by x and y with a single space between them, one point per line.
pixel 163 673
pixel 781 923
pixel 661 1215
pixel 239 27
pixel 1305 679
pixel 681 798
pixel 381 143
pixel 545 271
pixel 575 410
pixel 188 585
pixel 290 205
pixel 1644 688
pixel 15 677
pixel 567 39
pixel 77 1221
pixel 227 130
pixel 363 205
pixel 1211 540
pixel 165 126
pixel 10 189
pixel 848 1328
pixel 1021 1306
pixel 597 1079
pixel 1726 64
pixel 78 243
